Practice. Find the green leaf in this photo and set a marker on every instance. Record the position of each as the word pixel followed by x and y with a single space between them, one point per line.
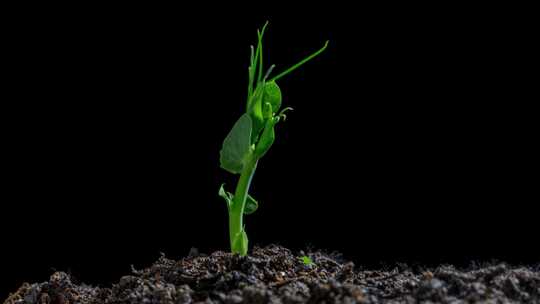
pixel 256 112
pixel 268 113
pixel 251 205
pixel 240 243
pixel 306 260
pixel 227 196
pixel 267 138
pixel 272 95
pixel 236 146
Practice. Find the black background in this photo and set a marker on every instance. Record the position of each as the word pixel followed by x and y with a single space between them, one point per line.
pixel 411 138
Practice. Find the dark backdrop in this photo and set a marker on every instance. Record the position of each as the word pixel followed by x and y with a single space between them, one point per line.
pixel 409 140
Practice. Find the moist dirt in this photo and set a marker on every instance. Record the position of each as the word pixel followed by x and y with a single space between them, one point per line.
pixel 275 274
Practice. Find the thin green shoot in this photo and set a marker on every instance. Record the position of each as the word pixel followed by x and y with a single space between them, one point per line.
pixel 294 67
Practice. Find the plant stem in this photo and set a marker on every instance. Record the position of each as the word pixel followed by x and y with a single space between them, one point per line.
pixel 236 212
pixel 294 67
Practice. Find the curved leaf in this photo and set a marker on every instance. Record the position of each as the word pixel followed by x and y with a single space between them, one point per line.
pixel 267 138
pixel 251 205
pixel 272 95
pixel 227 196
pixel 256 112
pixel 236 145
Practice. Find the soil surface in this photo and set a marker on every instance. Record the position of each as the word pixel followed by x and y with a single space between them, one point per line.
pixel 276 275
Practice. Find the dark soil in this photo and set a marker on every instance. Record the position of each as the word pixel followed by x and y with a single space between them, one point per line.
pixel 276 275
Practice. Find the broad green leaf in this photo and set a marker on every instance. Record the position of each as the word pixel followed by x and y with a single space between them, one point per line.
pixel 272 95
pixel 240 243
pixel 256 112
pixel 251 205
pixel 236 146
pixel 227 196
pixel 267 138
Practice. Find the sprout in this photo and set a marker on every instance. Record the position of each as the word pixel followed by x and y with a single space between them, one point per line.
pixel 250 138
pixel 306 260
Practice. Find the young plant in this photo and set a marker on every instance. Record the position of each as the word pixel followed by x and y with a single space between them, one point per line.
pixel 251 137
pixel 306 260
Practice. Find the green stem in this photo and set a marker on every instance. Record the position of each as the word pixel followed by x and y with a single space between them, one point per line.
pixel 294 67
pixel 236 212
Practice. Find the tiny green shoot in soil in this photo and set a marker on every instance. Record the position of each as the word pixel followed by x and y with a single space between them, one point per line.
pixel 306 260
pixel 251 137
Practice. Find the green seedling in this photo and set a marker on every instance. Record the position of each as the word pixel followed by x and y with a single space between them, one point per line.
pixel 250 139
pixel 306 260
